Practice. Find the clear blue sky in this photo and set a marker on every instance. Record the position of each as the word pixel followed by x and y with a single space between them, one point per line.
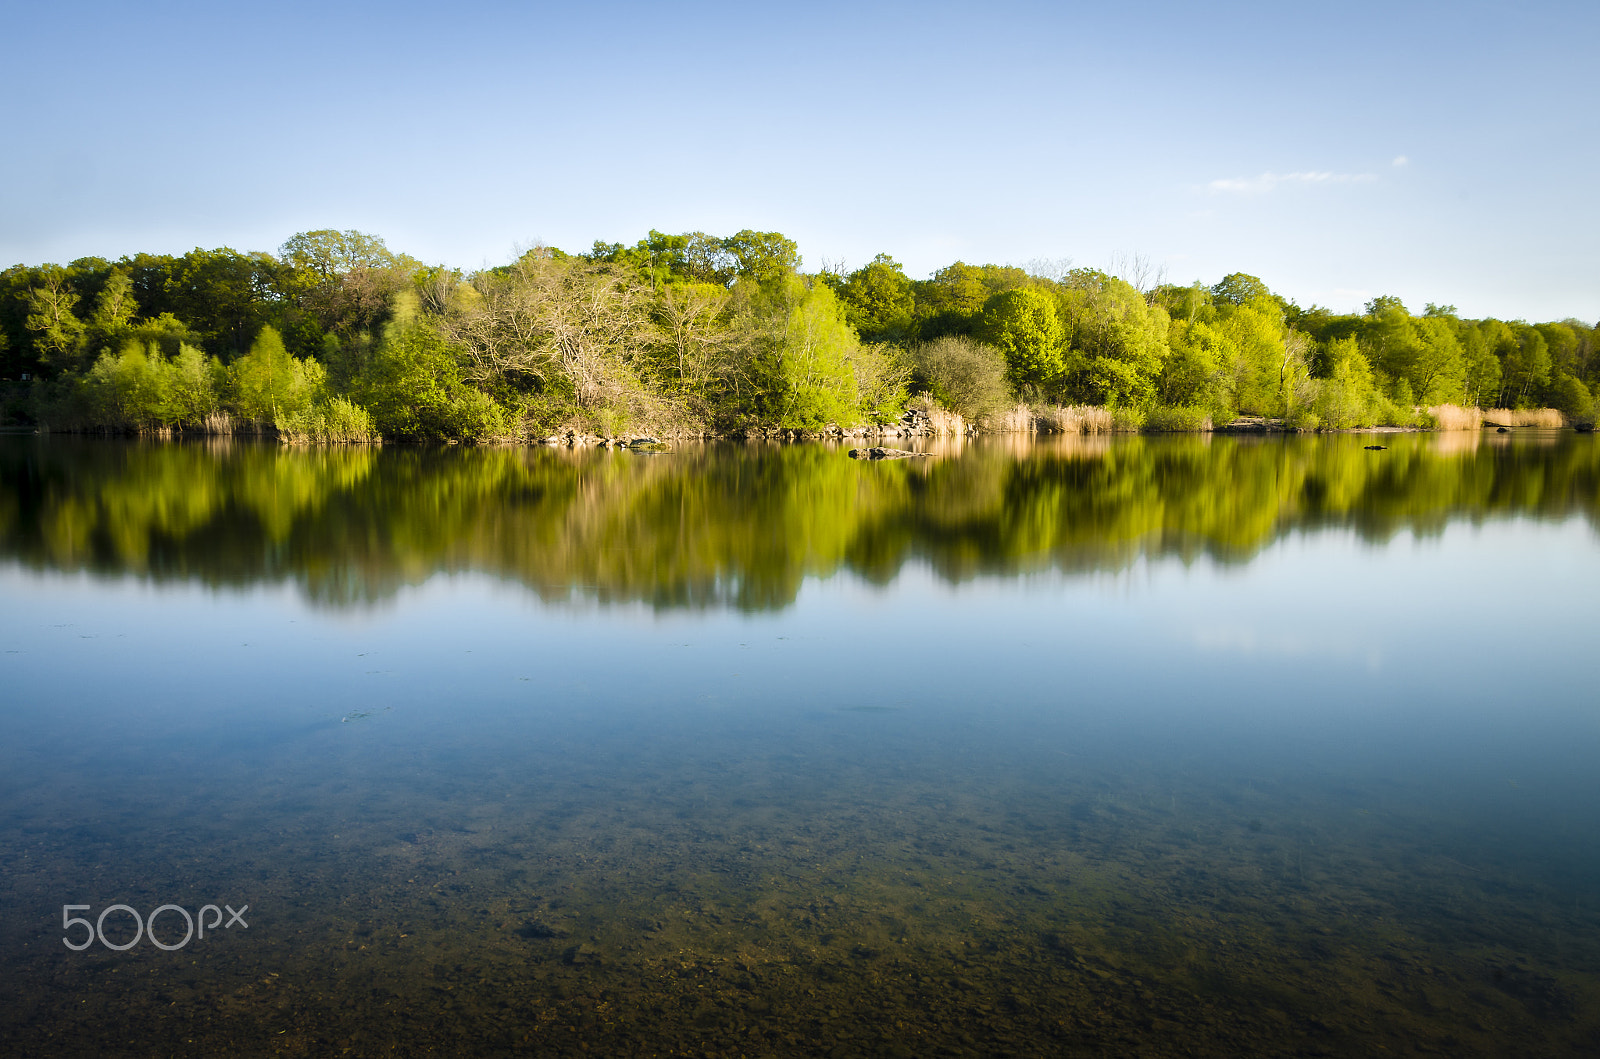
pixel 1438 152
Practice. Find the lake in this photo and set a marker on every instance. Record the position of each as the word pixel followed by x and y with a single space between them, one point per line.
pixel 1032 747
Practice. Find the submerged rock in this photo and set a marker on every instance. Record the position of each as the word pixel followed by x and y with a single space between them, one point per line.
pixel 880 453
pixel 535 929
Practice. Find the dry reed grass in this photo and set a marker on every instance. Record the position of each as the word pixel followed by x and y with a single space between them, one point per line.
pixel 1077 419
pixel 1525 417
pixel 941 421
pixel 1454 417
pixel 1016 420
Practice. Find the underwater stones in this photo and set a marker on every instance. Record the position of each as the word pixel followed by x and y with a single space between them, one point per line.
pixel 580 956
pixel 535 930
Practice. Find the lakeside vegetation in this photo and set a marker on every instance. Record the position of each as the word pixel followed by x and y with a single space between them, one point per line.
pixel 356 524
pixel 337 338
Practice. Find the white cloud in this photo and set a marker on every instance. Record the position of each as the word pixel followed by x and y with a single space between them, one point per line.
pixel 1400 161
pixel 1266 182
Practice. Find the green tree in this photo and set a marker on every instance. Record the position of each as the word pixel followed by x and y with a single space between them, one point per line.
pixel 1183 303
pixel 881 371
pixel 1240 288
pixel 1349 396
pixel 878 300
pixel 693 320
pixel 269 383
pixel 762 256
pixel 225 296
pixel 1572 397
pixel 1024 326
pixel 1480 366
pixel 58 331
pixel 952 301
pixel 413 386
pixel 1117 336
pixel 343 282
pixel 1257 332
pixel 115 306
pixel 1525 367
pixel 1194 372
pixel 807 374
pixel 1438 371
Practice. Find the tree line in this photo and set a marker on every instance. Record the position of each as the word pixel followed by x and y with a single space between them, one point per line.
pixel 337 337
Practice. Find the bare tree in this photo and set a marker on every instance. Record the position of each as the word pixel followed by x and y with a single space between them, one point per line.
pixel 1053 269
pixel 540 315
pixel 1139 272
pixel 692 317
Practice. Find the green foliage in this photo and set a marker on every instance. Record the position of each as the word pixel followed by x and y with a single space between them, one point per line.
pixel 223 296
pixel 268 383
pixel 412 387
pixel 115 306
pixel 137 389
pixel 338 283
pixel 807 374
pixel 765 257
pixel 1525 368
pixel 693 329
pixel 1024 326
pixel 952 301
pixel 1422 353
pixel 1572 398
pixel 336 420
pixel 1480 367
pixel 1239 288
pixel 1177 419
pixel 878 300
pixel 1194 374
pixel 1255 331
pixel 1118 340
pixel 661 259
pixel 881 372
pixel 1350 396
pixel 1183 303
pixel 58 331
pixel 965 376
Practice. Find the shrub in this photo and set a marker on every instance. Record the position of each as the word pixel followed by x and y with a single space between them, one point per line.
pixel 965 376
pixel 337 420
pixel 1177 419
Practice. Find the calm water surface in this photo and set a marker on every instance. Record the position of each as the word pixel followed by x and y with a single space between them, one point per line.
pixel 1079 747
